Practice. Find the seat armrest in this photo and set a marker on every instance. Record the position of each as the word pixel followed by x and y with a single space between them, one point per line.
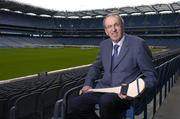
pixel 58 109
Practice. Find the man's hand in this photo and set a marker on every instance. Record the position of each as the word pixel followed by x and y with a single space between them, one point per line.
pixel 85 89
pixel 124 97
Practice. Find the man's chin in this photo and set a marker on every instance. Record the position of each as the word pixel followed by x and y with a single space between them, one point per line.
pixel 115 39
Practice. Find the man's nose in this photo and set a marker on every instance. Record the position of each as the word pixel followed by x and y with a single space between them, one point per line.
pixel 114 28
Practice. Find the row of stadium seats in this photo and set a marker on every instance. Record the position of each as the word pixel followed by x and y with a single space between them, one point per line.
pixel 24 42
pixel 47 88
pixel 21 41
pixel 15 19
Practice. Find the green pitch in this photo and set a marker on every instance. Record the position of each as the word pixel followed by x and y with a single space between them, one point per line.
pixel 16 62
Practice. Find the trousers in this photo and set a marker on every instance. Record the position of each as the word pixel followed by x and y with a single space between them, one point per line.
pixel 111 106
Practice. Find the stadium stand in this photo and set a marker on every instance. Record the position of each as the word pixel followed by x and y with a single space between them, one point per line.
pixel 35 31
pixel 46 84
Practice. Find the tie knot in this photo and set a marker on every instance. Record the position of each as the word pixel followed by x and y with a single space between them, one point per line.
pixel 116 47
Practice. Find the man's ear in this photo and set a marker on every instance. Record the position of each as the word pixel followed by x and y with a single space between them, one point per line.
pixel 106 32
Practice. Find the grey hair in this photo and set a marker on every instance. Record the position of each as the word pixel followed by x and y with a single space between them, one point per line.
pixel 113 14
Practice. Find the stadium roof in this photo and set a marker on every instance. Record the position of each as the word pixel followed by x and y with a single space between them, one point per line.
pixel 144 9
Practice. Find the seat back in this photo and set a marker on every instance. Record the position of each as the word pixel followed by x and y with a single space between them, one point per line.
pixel 68 95
pixel 25 107
pixel 2 105
pixel 66 87
pixel 47 101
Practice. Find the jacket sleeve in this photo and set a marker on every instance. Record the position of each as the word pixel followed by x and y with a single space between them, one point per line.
pixel 94 71
pixel 146 66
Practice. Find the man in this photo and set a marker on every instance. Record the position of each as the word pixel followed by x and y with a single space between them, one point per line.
pixel 121 65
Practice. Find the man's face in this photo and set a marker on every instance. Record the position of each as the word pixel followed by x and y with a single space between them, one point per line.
pixel 113 28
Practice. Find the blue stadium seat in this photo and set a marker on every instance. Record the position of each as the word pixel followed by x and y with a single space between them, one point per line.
pixel 25 107
pixel 47 100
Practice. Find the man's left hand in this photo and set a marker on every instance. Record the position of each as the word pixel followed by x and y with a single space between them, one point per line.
pixel 124 97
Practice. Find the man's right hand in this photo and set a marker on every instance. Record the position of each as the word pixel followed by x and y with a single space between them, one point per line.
pixel 85 89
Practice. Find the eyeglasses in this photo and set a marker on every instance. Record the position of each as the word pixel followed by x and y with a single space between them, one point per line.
pixel 116 25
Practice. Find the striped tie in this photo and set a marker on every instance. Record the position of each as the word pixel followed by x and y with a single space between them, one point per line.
pixel 115 55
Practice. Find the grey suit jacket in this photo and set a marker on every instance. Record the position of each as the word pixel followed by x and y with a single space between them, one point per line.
pixel 135 58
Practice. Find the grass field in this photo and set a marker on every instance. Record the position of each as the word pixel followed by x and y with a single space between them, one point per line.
pixel 17 62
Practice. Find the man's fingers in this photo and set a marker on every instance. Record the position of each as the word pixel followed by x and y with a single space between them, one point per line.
pixel 122 96
pixel 125 97
pixel 80 92
pixel 84 89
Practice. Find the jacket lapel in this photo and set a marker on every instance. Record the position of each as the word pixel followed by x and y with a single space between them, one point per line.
pixel 123 51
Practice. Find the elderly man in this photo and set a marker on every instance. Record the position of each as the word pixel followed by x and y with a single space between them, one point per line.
pixel 123 58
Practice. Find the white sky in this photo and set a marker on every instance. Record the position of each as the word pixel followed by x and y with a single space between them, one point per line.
pixel 75 5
